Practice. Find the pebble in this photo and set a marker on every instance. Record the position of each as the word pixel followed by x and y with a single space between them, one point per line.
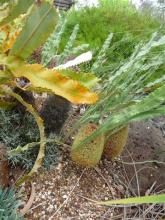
pixel 51 207
pixel 120 188
pixel 65 196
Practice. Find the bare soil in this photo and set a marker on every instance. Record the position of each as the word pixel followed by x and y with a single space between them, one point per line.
pixel 146 142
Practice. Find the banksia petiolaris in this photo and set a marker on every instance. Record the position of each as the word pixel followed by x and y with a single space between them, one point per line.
pixel 87 154
pixel 115 144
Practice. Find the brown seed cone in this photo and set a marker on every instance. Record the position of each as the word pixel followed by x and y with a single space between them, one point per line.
pixel 4 168
pixel 115 144
pixel 89 153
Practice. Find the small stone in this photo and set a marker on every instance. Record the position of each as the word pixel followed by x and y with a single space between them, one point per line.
pixel 120 188
pixel 51 207
pixel 43 212
pixel 65 196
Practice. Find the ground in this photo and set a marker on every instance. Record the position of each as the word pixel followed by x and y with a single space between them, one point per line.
pixel 69 191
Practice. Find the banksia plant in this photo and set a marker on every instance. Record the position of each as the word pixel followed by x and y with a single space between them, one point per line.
pixel 101 57
pixel 16 46
pixel 51 49
pixel 89 154
pixel 134 91
pixel 115 143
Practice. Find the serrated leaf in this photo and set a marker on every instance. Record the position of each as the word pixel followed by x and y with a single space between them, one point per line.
pixel 86 79
pixel 9 42
pixel 136 200
pixel 4 1
pixel 4 77
pixel 40 23
pixel 136 112
pixel 20 8
pixel 53 81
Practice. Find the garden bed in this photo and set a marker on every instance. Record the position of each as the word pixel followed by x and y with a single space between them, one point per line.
pixel 42 132
pixel 67 191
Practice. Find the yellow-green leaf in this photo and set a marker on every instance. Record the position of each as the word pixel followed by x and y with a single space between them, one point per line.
pixel 6 105
pixel 86 79
pixel 136 200
pixel 8 43
pixel 4 77
pixel 40 23
pixel 53 81
pixel 20 8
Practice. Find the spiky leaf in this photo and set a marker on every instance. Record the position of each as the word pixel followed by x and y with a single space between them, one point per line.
pixel 20 8
pixel 40 23
pixel 86 79
pixel 53 81
pixel 4 77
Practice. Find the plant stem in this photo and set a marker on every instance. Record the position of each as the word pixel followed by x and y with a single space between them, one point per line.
pixel 40 124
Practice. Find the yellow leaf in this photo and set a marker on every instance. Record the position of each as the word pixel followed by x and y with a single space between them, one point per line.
pixel 10 41
pixel 41 77
pixel 9 37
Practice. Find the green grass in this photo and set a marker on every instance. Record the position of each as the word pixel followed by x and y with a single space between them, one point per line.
pixel 115 16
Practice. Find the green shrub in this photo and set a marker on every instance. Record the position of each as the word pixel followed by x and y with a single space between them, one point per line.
pixel 9 205
pixel 18 130
pixel 118 17
pixel 115 16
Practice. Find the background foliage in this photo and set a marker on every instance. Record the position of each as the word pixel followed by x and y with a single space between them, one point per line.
pixel 115 16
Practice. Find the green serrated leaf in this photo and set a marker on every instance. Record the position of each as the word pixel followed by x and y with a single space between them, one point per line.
pixel 20 8
pixel 40 24
pixel 3 1
pixel 5 77
pixel 139 111
pixel 136 200
pixel 88 80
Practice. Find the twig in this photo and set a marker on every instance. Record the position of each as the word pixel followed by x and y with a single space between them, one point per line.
pixel 90 200
pixel 30 201
pixel 42 203
pixel 136 174
pixel 141 162
pixel 62 205
pixel 99 172
pixel 150 189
